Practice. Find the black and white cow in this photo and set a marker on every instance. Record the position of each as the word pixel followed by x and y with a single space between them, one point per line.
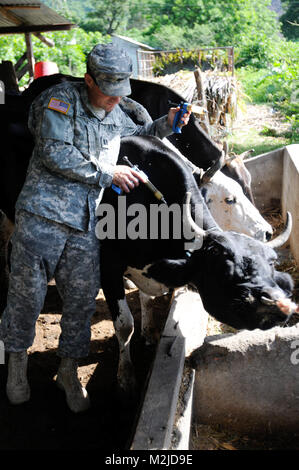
pixel 234 274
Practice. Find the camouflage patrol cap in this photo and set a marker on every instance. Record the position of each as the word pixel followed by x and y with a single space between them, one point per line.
pixel 111 68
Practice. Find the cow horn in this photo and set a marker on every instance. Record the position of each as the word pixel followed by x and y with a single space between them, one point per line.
pixel 199 231
pixel 246 154
pixel 229 159
pixel 210 172
pixel 283 237
pixel 242 156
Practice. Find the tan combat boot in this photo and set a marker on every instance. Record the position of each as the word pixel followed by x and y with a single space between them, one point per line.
pixel 76 396
pixel 17 387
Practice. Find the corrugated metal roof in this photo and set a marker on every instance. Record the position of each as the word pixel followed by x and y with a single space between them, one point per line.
pixel 26 16
pixel 20 2
pixel 132 41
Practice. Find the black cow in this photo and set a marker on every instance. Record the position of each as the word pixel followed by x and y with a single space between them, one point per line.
pixel 233 273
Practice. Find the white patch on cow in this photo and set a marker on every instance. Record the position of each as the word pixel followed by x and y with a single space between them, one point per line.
pixel 228 204
pixel 232 210
pixel 148 285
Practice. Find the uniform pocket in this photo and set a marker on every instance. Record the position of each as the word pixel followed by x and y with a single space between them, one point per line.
pixel 57 126
pixel 84 137
pixel 28 272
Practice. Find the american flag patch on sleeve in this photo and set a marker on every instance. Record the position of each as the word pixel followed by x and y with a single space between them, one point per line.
pixel 59 105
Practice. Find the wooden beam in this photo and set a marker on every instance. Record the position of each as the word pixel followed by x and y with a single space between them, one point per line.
pixel 46 41
pixel 21 72
pixel 30 56
pixel 19 7
pixel 201 95
pixel 20 61
pixel 24 28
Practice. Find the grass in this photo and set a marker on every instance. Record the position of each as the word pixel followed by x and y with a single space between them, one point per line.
pixel 251 138
pixel 264 134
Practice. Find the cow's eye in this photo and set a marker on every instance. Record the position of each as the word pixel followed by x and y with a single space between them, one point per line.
pixel 230 200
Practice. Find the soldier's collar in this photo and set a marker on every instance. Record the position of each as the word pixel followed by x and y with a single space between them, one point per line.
pixel 88 106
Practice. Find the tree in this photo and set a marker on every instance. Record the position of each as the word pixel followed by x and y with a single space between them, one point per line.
pixel 231 23
pixel 74 10
pixel 290 20
pixel 109 16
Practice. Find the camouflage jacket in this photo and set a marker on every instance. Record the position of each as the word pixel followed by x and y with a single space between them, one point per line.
pixel 75 153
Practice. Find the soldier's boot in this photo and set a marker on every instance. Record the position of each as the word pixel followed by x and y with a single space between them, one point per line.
pixel 17 387
pixel 67 379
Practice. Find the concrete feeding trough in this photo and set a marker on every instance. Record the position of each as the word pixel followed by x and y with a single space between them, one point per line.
pixel 254 381
pixel 170 381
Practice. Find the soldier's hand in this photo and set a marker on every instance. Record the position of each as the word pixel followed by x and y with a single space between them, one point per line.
pixel 126 178
pixel 171 115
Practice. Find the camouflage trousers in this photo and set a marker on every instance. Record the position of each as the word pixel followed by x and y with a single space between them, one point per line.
pixel 43 249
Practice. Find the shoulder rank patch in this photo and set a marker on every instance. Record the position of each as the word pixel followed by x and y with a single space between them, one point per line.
pixel 59 105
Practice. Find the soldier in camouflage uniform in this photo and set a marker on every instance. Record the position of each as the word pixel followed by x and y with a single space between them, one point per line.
pixel 77 129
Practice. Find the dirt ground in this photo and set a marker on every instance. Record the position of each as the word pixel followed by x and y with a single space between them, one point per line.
pixel 45 422
pixel 259 117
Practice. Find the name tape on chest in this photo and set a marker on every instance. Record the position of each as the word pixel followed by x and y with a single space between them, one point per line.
pixel 59 105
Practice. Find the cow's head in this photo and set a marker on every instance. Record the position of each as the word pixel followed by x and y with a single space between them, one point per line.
pixel 238 282
pixel 232 210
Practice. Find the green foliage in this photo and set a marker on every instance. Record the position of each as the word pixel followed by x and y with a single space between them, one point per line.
pixel 251 138
pixel 257 53
pixel 71 48
pixel 293 135
pixel 170 37
pixel 249 25
pixel 278 84
pixel 232 22
pixel 74 10
pixel 109 16
pixel 69 53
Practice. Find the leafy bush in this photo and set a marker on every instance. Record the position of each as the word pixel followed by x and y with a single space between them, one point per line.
pixel 69 52
pixel 169 37
pixel 278 84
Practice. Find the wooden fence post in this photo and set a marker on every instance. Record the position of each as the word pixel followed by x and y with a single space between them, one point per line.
pixel 201 95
